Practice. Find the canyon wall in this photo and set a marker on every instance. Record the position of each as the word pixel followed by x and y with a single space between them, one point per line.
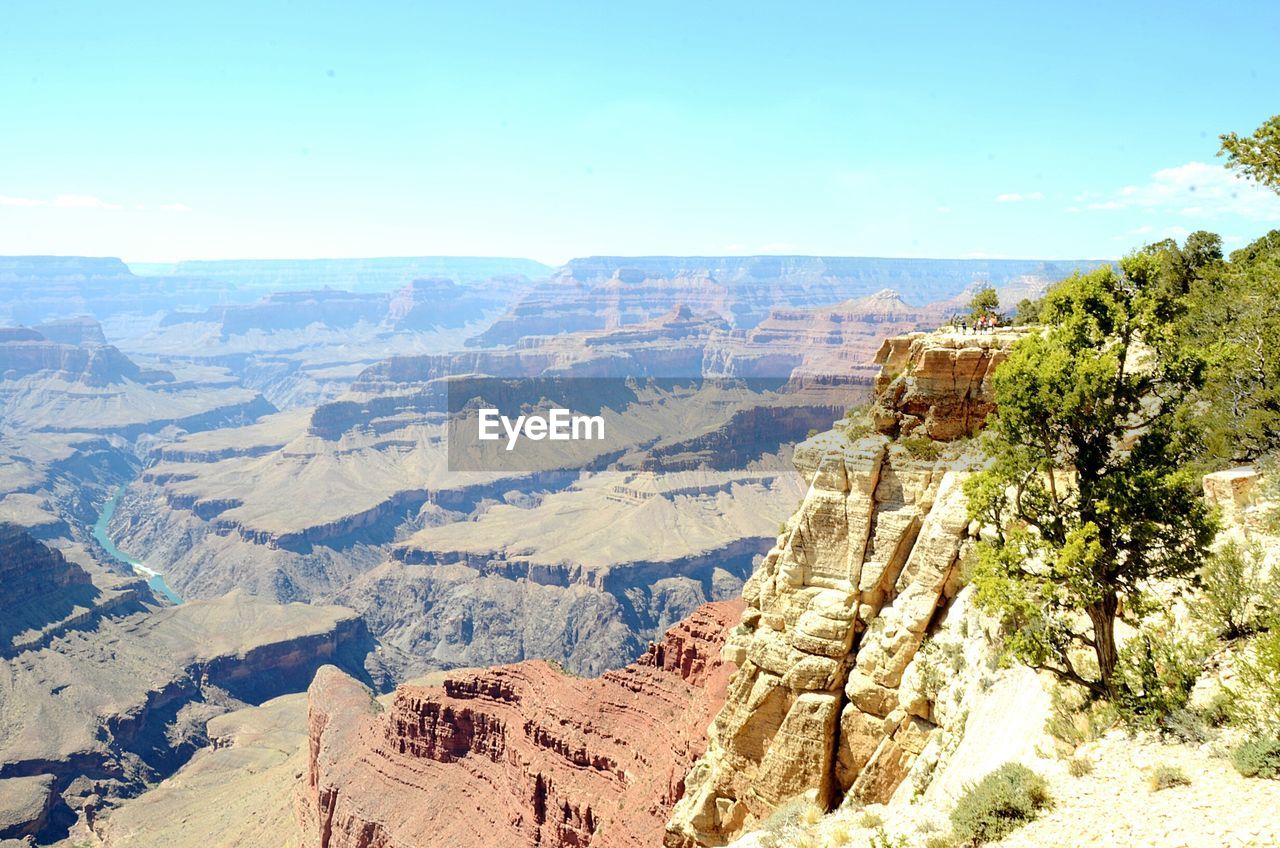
pixel 520 755
pixel 840 606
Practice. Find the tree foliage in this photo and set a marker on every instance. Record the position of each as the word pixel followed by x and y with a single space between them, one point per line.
pixel 1028 311
pixel 1234 321
pixel 985 303
pixel 1257 156
pixel 1089 486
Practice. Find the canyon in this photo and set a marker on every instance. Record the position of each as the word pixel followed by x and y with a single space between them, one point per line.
pixel 274 439
pixel 816 693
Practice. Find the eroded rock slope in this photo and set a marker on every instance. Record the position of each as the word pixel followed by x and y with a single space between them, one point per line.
pixel 520 755
pixel 840 606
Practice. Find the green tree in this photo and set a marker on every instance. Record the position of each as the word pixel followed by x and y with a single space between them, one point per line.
pixel 985 303
pixel 1089 485
pixel 1257 156
pixel 1028 311
pixel 1234 321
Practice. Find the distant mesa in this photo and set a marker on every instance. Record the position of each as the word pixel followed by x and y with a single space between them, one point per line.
pixel 72 350
pixel 602 292
pixel 79 331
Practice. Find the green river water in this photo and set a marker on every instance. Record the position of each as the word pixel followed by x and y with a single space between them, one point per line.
pixel 154 578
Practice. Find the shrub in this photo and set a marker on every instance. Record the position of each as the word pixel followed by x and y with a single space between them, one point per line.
pixel 939 840
pixel 1158 668
pixel 937 663
pixel 1167 777
pixel 1075 718
pixel 782 820
pixel 1218 711
pixel 839 835
pixel 1258 756
pixel 881 839
pixel 858 422
pixel 1186 725
pixel 999 804
pixel 868 819
pixel 1234 590
pixel 921 447
pixel 1257 703
pixel 1079 767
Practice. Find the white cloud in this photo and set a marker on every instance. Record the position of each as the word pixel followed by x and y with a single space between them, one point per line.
pixel 1152 233
pixel 1016 197
pixel 175 207
pixel 61 201
pixel 81 201
pixel 1197 190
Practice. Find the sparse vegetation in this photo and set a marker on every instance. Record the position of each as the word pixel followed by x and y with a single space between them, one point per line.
pixel 792 825
pixel 839 835
pixel 1075 718
pixel 1258 756
pixel 1186 725
pixel 999 804
pixel 1235 591
pixel 1256 703
pixel 937 662
pixel 1167 777
pixel 882 839
pixel 783 820
pixel 1079 767
pixel 1157 669
pixel 921 447
pixel 869 819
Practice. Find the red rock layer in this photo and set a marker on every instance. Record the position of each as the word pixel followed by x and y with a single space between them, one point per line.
pixel 519 755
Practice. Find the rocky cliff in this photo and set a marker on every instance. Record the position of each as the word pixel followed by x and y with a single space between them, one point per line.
pixel 517 755
pixel 39 589
pixel 840 606
pixel 102 709
pixel 24 353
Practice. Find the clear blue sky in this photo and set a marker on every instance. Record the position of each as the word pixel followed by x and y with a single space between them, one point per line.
pixel 160 131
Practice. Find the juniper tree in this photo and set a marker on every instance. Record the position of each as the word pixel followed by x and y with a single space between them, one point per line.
pixel 984 304
pixel 1089 485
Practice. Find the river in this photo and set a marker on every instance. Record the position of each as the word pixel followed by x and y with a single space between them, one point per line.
pixel 154 578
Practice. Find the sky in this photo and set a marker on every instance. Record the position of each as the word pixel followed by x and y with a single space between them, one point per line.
pixel 168 131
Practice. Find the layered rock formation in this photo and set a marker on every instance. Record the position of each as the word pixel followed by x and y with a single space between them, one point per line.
pixel 517 755
pixel 421 304
pixel 834 344
pixel 937 385
pixel 460 568
pixel 601 292
pixel 25 352
pixel 841 605
pixel 39 590
pixel 79 331
pixel 119 698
